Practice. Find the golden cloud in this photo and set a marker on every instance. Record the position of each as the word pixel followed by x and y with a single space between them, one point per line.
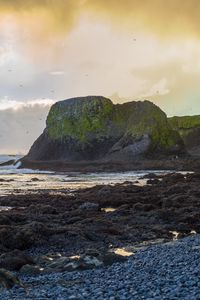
pixel 161 16
pixel 46 21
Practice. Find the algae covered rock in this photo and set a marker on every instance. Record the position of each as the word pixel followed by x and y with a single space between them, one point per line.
pixel 189 129
pixel 93 128
pixel 82 119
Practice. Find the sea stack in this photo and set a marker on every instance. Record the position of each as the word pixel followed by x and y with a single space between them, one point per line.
pixel 94 129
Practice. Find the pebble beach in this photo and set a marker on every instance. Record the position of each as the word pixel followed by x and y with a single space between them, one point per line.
pixel 165 271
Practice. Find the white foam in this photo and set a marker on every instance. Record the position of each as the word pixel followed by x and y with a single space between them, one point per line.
pixel 18 164
pixel 14 169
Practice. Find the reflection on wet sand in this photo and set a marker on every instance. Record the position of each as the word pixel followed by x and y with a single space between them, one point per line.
pixel 5 208
pixel 23 182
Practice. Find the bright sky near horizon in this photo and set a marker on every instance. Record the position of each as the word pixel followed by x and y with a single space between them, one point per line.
pixel 122 49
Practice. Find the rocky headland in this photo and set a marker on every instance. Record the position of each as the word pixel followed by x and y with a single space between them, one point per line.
pixel 91 133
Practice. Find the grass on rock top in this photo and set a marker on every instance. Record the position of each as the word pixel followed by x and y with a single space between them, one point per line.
pixel 185 125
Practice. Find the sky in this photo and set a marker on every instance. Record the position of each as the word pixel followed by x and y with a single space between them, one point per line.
pixel 122 49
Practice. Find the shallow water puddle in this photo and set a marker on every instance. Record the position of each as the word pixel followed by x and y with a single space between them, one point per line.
pixel 108 209
pixel 123 252
pixel 5 208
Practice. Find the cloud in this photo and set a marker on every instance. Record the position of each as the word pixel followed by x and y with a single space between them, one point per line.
pixel 41 29
pixel 5 54
pixel 161 87
pixel 6 104
pixel 21 124
pixel 165 17
pixel 57 73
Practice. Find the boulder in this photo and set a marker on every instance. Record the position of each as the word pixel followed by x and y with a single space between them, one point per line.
pixel 15 260
pixel 8 280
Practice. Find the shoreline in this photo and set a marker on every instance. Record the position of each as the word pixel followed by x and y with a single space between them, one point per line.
pixel 174 164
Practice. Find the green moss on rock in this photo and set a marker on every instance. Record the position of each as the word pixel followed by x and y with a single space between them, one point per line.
pixel 85 119
pixel 80 118
pixel 185 122
pixel 185 125
pixel 147 118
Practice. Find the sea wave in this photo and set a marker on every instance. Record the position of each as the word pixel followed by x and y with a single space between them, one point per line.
pixel 14 168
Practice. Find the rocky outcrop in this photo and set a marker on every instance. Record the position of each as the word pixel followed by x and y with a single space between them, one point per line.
pixel 189 129
pixel 127 214
pixel 94 129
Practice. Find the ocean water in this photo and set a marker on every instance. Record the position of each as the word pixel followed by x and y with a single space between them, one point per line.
pixel 14 180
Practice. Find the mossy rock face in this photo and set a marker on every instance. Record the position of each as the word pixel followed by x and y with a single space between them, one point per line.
pixel 93 128
pixel 80 118
pixel 145 118
pixel 189 129
pixel 185 125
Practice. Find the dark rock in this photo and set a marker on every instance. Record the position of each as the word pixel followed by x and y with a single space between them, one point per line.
pixel 42 209
pixel 35 179
pixel 7 163
pixel 14 260
pixel 111 258
pixel 8 280
pixel 4 220
pixel 149 176
pixel 105 191
pixel 31 270
pixel 54 222
pixel 89 206
pixel 153 181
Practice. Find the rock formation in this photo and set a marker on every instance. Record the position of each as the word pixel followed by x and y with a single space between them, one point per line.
pixel 189 129
pixel 94 129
